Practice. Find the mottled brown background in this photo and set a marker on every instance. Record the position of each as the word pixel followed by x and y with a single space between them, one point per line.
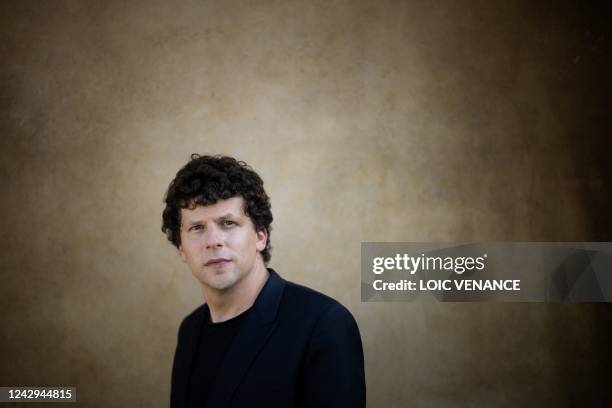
pixel 368 120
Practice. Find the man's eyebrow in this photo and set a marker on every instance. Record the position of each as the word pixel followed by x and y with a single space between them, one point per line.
pixel 226 216
pixel 222 217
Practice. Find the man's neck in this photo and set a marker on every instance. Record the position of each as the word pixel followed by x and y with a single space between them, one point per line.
pixel 229 303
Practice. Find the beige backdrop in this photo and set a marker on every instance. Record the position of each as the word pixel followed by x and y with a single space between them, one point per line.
pixel 368 120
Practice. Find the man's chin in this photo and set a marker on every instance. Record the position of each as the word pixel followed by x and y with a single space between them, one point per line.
pixel 220 283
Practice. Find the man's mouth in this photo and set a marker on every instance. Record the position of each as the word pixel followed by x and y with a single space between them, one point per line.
pixel 217 262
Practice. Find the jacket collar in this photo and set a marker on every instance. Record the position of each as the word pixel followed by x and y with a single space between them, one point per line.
pixel 268 300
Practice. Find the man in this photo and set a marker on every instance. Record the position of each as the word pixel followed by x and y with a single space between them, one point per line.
pixel 258 341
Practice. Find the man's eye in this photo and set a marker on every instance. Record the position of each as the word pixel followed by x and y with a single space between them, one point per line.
pixel 228 223
pixel 196 228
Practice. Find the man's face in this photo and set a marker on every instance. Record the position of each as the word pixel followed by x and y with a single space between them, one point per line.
pixel 219 243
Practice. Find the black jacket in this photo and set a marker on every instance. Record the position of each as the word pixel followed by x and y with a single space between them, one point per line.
pixel 295 348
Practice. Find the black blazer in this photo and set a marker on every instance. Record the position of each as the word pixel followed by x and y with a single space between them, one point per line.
pixel 295 348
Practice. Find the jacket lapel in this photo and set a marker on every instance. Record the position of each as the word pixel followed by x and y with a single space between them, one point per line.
pixel 257 328
pixel 187 357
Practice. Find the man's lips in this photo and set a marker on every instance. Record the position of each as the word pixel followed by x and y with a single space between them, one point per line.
pixel 217 262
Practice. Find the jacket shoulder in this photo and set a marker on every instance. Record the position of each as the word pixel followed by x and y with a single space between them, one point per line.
pixel 302 301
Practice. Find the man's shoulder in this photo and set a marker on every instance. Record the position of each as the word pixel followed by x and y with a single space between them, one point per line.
pixel 296 293
pixel 302 301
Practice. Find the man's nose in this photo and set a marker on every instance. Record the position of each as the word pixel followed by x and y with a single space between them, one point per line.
pixel 213 238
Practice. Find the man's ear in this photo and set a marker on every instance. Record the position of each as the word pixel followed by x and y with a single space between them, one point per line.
pixel 262 239
pixel 181 253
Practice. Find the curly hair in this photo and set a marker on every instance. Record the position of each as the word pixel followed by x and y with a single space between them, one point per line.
pixel 204 180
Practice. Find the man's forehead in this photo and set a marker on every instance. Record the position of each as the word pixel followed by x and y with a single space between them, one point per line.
pixel 231 207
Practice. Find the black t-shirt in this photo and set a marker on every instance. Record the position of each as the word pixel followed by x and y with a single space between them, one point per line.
pixel 215 341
